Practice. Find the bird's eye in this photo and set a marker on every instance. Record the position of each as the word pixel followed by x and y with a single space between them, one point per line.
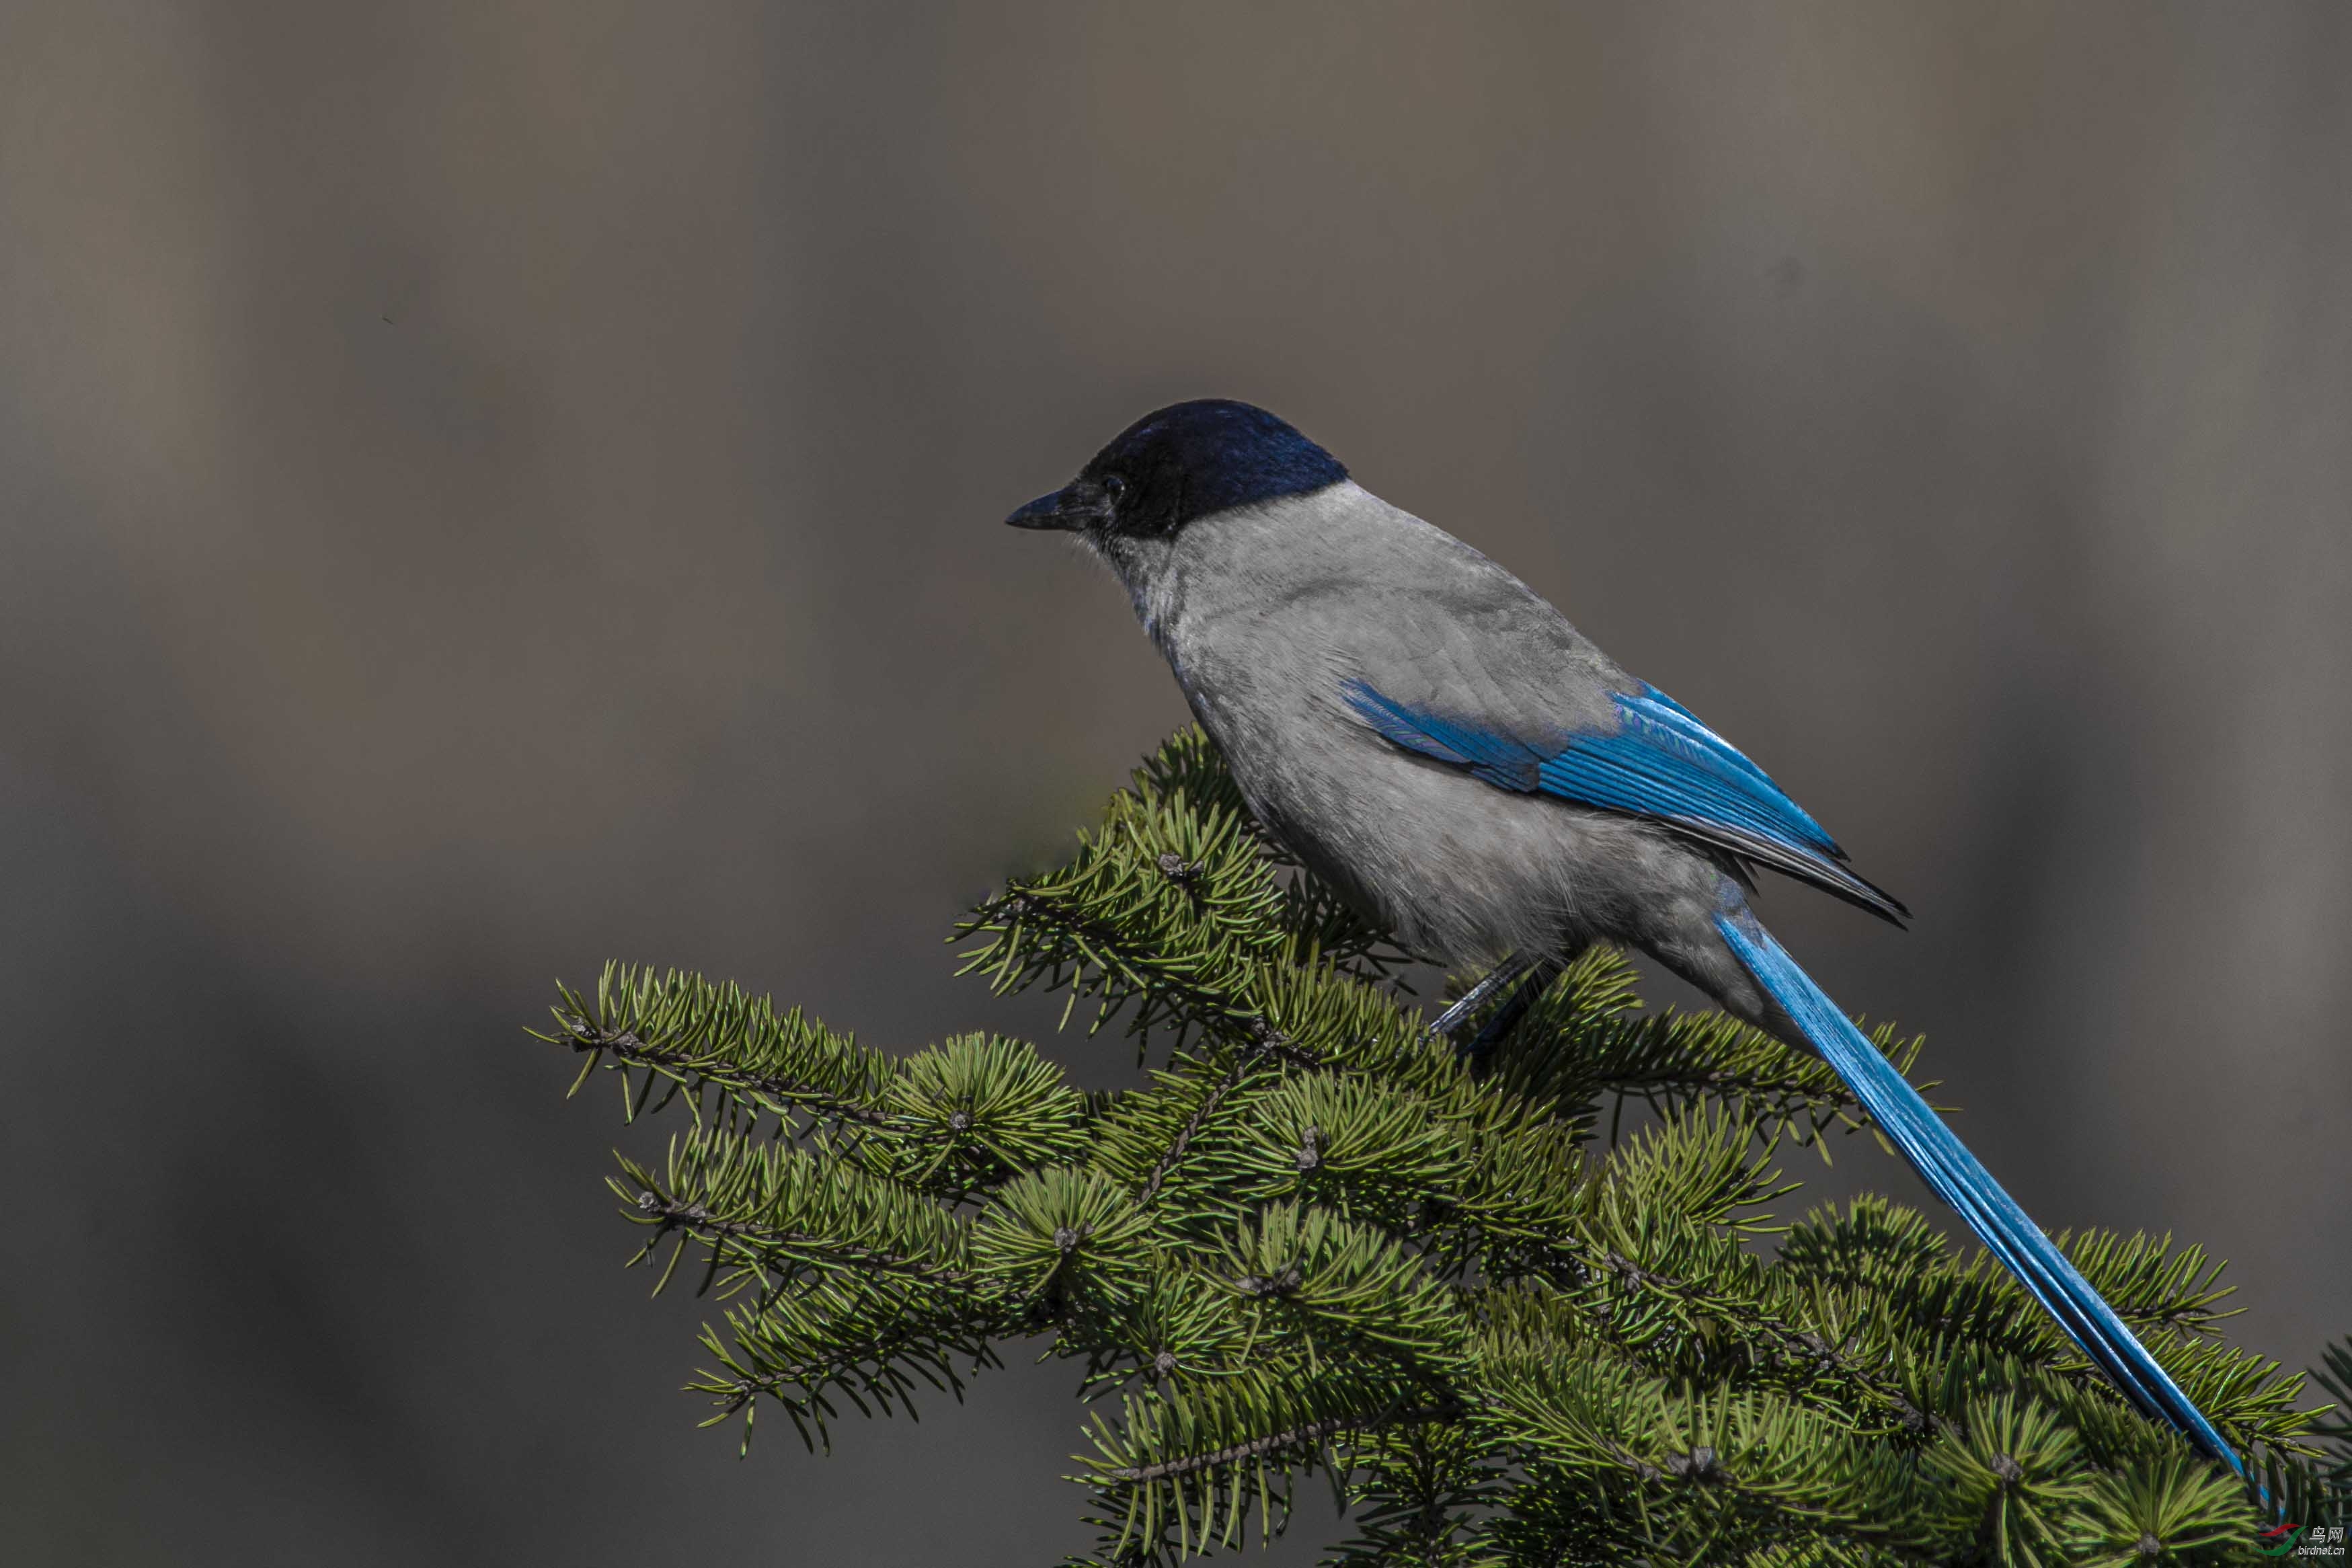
pixel 1113 486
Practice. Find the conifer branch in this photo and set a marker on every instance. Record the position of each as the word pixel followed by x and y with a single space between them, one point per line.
pixel 1306 1436
pixel 669 1213
pixel 1511 1334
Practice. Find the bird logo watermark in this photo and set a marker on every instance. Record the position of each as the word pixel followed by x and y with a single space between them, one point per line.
pixel 2301 1541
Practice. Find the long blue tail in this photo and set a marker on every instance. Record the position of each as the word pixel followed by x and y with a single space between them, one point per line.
pixel 1962 1182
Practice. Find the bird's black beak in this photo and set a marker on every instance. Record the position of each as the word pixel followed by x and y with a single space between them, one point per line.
pixel 1080 504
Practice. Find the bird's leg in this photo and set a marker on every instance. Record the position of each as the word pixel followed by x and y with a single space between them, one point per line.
pixel 1541 974
pixel 1478 996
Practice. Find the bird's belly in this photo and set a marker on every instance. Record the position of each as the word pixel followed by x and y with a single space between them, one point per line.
pixel 1456 867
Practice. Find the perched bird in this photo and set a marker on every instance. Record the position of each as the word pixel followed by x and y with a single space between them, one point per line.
pixel 1434 739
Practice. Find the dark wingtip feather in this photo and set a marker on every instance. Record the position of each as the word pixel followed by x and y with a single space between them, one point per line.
pixel 1842 882
pixel 1881 902
pixel 1815 871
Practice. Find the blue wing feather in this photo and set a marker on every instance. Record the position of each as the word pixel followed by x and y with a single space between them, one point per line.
pixel 1492 756
pixel 1659 762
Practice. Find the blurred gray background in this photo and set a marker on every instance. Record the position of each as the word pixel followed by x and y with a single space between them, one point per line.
pixel 490 487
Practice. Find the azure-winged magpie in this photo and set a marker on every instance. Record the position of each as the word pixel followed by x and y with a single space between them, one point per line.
pixel 1431 737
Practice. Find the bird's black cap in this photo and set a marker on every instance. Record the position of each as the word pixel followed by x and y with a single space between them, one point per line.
pixel 1185 461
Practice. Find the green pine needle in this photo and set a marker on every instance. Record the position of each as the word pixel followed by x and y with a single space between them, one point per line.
pixel 1508 1327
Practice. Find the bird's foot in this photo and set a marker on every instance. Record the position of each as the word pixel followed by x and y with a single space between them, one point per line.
pixel 1531 976
pixel 1451 1021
